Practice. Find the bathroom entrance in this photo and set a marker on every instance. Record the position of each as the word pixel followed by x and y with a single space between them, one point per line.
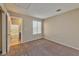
pixel 14 30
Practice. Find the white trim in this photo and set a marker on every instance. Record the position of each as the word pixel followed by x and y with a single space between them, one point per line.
pixel 61 43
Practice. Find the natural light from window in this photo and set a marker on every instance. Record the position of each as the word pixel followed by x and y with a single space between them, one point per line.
pixel 37 27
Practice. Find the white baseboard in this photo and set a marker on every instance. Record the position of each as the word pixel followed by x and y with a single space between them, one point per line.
pixel 62 43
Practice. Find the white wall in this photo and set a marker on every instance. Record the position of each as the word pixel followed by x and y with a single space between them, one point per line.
pixel 63 29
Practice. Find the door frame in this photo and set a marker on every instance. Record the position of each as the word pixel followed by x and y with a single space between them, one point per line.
pixel 8 41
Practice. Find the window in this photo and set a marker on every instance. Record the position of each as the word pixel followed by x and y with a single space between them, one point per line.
pixel 37 27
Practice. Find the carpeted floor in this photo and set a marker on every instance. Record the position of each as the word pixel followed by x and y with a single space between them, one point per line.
pixel 41 47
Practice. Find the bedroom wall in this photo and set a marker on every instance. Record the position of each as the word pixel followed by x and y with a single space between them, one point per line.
pixel 63 28
pixel 27 26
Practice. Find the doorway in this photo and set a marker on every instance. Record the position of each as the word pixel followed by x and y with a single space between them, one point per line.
pixel 14 30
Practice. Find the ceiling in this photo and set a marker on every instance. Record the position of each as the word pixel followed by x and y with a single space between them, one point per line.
pixel 40 10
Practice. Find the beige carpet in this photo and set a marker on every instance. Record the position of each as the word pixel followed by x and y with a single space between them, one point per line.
pixel 42 47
